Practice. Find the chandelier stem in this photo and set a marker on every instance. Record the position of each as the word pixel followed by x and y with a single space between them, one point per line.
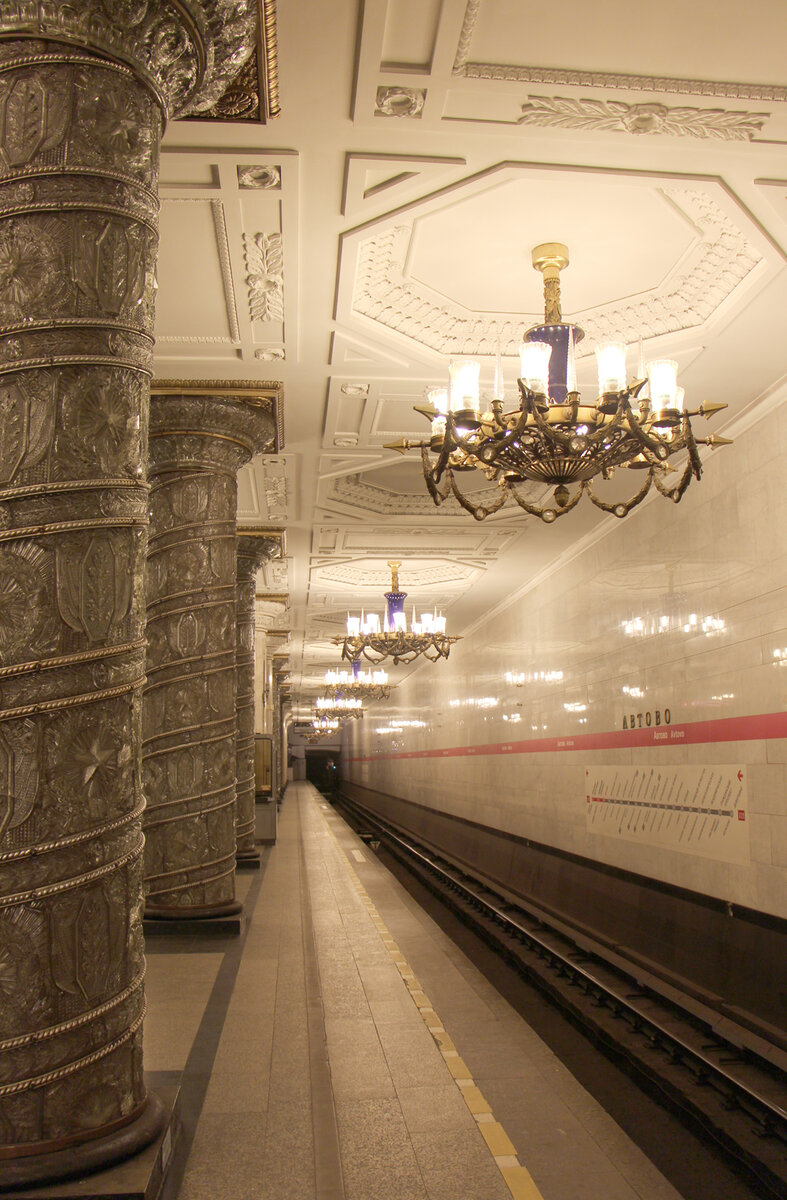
pixel 550 258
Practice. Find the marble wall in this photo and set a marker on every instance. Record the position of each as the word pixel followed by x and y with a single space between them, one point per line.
pixel 536 702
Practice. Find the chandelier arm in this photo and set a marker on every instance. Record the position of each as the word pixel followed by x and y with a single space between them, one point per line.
pixel 675 493
pixel 654 446
pixel 535 511
pixel 434 473
pixel 479 511
pixel 691 445
pixel 623 507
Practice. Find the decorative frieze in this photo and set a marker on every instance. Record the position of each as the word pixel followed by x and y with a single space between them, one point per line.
pixel 201 434
pixel 604 116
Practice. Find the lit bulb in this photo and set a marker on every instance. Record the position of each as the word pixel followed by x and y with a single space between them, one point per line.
pixel 611 358
pixel 662 384
pixel 464 384
pixel 534 361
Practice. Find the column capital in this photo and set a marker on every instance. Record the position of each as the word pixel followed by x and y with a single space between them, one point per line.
pixel 187 51
pixel 239 419
pixel 256 546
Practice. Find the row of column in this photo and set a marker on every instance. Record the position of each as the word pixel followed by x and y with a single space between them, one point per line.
pixel 85 90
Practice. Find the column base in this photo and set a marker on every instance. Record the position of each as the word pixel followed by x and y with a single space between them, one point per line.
pixel 248 860
pixel 224 919
pixel 132 1161
pixel 227 908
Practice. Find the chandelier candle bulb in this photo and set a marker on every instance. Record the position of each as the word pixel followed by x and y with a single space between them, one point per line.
pixel 611 359
pixel 464 386
pixel 534 362
pixel 662 384
pixel 438 399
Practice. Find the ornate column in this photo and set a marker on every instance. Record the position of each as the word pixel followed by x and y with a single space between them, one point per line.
pixel 84 89
pixel 255 546
pixel 281 697
pixel 200 436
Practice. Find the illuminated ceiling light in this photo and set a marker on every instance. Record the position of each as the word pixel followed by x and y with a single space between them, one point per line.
pixel 340 704
pixel 365 685
pixel 553 437
pixel 368 637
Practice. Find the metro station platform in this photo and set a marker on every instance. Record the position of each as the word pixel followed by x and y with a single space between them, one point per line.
pixel 343 1047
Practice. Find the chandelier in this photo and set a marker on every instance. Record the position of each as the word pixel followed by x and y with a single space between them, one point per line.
pixel 368 637
pixel 363 685
pixel 553 437
pixel 345 706
pixel 321 727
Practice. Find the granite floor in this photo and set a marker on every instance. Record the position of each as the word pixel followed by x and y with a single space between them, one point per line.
pixel 344 1049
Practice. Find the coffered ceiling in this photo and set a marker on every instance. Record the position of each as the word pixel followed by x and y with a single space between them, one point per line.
pixel 385 220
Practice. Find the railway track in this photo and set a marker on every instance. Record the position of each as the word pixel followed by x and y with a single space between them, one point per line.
pixel 722 1088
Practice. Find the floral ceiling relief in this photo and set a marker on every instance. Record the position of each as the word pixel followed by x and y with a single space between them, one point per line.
pixel 614 115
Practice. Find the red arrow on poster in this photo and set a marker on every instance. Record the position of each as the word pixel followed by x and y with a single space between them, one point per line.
pixel 740 777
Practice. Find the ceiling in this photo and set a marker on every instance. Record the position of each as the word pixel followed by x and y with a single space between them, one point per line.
pixel 385 220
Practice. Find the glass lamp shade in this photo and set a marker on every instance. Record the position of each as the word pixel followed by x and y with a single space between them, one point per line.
pixel 663 385
pixel 464 385
pixel 611 359
pixel 353 626
pixel 437 397
pixel 534 359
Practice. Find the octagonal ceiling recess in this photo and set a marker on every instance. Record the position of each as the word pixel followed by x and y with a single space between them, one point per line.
pixel 497 228
pixel 437 273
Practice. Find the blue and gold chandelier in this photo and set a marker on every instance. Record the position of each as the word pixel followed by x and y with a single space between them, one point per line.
pixel 554 437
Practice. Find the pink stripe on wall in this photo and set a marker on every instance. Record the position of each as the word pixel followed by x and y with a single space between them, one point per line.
pixel 693 733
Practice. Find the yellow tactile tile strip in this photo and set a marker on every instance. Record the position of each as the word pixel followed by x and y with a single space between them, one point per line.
pixel 518 1178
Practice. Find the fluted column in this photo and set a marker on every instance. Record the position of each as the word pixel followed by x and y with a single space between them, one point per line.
pixel 84 88
pixel 200 436
pixel 254 548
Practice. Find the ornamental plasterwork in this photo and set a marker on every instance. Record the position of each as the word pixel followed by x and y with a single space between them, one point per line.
pixel 399 102
pixel 265 280
pixel 351 489
pixel 259 178
pixel 413 577
pixel 572 77
pixel 603 116
pixel 722 259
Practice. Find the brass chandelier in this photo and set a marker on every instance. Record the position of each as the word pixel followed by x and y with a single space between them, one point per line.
pixel 553 437
pixel 342 707
pixel 357 684
pixel 368 637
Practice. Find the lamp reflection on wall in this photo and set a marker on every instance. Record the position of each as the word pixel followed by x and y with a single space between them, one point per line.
pixel 553 437
pixel 369 637
pixel 674 614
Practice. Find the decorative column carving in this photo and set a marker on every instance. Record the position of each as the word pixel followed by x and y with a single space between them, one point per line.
pixel 255 546
pixel 200 436
pixel 84 89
